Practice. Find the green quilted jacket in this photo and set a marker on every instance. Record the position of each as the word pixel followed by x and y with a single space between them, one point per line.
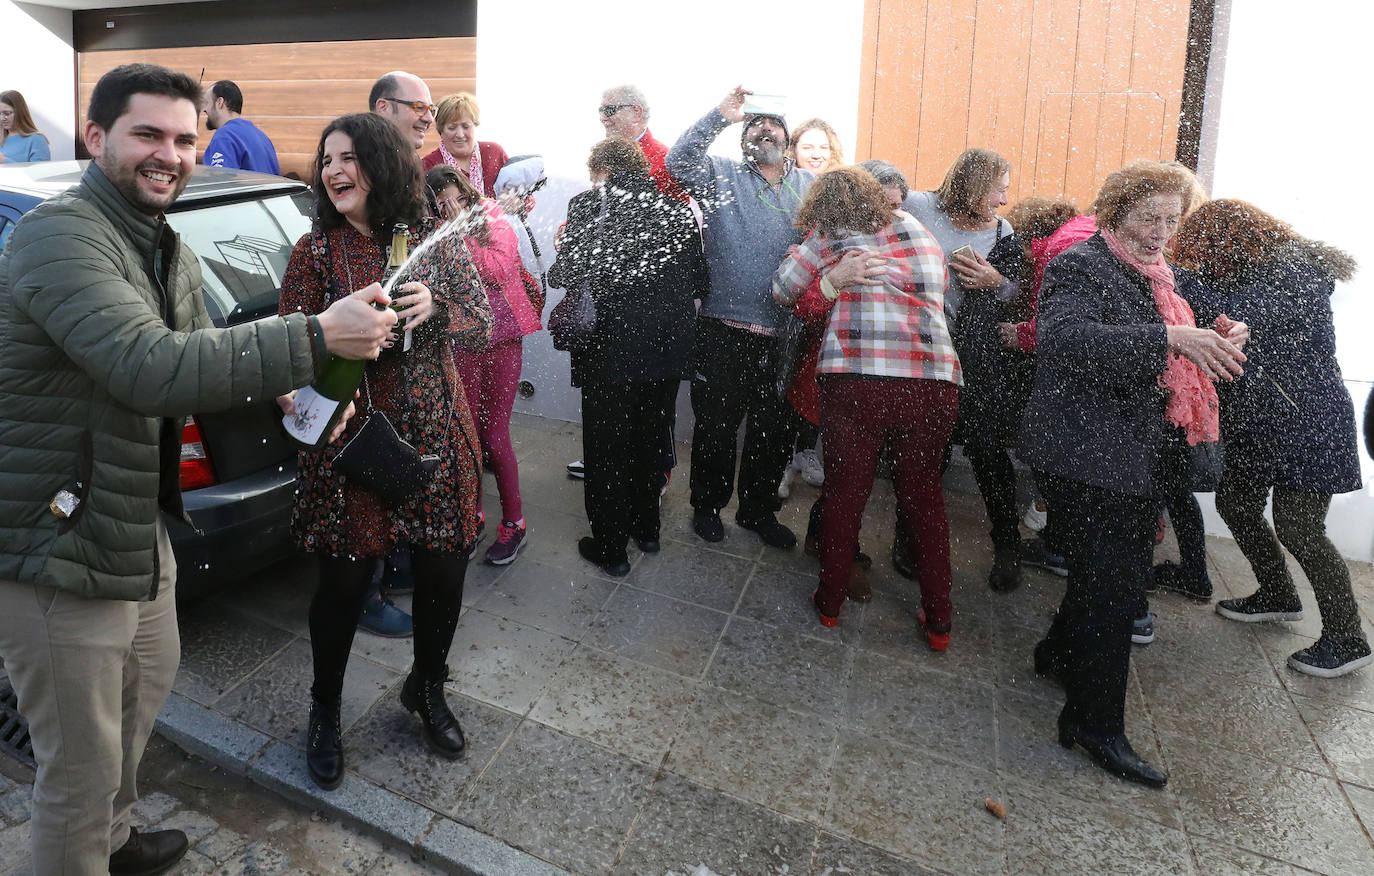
pixel 93 355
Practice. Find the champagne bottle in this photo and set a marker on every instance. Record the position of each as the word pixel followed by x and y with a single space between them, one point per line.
pixel 400 250
pixel 319 405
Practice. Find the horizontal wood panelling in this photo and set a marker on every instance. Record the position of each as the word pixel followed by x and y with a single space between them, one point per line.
pixel 1065 89
pixel 292 90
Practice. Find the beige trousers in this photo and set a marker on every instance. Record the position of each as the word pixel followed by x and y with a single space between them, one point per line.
pixel 91 675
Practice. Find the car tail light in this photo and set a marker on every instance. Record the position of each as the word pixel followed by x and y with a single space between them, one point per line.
pixel 196 470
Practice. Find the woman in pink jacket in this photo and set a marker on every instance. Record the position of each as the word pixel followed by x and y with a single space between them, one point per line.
pixel 491 376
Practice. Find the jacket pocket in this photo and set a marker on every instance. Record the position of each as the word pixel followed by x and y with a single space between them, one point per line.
pixel 81 486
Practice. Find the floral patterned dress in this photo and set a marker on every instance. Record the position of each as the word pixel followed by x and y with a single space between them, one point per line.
pixel 418 390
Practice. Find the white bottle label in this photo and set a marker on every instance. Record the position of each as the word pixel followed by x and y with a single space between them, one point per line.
pixel 313 412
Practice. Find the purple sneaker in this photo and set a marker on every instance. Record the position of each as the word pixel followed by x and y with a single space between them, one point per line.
pixel 510 537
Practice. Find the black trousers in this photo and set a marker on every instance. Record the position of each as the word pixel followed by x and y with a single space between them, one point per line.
pixel 1176 494
pixel 996 477
pixel 1111 538
pixel 339 595
pixel 734 381
pixel 623 425
pixel 1300 526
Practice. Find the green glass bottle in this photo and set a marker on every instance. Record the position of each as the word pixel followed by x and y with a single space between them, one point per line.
pixel 319 405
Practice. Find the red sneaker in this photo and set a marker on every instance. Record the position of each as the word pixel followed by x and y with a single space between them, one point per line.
pixel 826 619
pixel 938 641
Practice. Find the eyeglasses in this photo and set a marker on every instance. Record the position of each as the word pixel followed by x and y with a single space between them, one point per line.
pixel 419 106
pixel 611 109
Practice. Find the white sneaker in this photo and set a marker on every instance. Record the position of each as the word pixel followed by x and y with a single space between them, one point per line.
pixel 808 465
pixel 785 485
pixel 1035 518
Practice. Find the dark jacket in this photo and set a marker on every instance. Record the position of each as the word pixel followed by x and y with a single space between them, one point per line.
pixel 644 264
pixel 1096 412
pixel 100 362
pixel 1289 421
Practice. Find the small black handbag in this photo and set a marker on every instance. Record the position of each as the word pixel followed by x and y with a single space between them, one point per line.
pixel 383 463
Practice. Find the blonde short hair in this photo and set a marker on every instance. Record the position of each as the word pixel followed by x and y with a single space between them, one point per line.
pixel 453 107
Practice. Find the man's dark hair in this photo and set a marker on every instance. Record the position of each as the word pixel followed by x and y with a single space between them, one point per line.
pixel 391 167
pixel 110 99
pixel 384 87
pixel 233 98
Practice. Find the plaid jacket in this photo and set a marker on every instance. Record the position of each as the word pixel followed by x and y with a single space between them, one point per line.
pixel 894 330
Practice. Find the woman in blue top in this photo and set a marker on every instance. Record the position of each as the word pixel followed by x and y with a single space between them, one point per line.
pixel 20 139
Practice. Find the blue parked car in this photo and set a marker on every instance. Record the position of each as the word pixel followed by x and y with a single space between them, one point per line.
pixel 238 469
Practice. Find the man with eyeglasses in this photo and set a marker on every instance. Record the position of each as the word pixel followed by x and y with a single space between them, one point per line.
pixel 624 113
pixel 404 99
pixel 749 209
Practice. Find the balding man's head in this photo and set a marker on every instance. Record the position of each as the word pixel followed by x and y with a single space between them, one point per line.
pixel 404 99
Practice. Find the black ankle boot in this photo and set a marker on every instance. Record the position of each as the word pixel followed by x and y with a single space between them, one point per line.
pixel 324 745
pixel 438 725
pixel 147 854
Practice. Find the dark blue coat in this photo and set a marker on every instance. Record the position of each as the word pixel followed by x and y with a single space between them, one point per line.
pixel 1306 440
pixel 1096 412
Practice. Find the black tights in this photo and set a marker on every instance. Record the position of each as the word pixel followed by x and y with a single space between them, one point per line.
pixel 338 600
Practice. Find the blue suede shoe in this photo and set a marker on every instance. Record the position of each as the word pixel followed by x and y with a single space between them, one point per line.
pixel 381 617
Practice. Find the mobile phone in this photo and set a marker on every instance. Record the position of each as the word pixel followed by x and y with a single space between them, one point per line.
pixel 967 251
pixel 764 104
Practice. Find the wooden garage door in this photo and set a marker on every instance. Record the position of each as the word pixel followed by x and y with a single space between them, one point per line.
pixel 1068 90
pixel 292 90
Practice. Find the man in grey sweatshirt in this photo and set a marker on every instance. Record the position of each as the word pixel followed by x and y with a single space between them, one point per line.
pixel 749 208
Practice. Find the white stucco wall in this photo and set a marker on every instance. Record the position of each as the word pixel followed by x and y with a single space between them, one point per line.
pixel 542 65
pixel 1291 138
pixel 36 59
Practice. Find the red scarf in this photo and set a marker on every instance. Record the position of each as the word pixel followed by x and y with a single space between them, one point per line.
pixel 1192 399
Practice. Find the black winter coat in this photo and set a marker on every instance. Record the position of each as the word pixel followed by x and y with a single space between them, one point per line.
pixel 1096 412
pixel 644 265
pixel 1289 421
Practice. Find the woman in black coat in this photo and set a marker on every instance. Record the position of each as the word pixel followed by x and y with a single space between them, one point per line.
pixel 1121 368
pixel 1288 423
pixel 639 254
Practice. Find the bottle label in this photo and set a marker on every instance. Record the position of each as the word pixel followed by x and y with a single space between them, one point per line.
pixel 313 413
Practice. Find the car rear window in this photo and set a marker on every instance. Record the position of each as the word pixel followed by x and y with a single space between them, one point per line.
pixel 244 247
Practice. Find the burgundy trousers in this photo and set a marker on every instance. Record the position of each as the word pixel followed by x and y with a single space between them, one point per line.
pixel 858 416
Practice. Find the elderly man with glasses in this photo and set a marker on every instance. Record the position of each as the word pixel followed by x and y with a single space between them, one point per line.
pixel 749 207
pixel 624 112
pixel 404 99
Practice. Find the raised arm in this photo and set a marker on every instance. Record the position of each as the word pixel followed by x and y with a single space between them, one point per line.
pixel 687 160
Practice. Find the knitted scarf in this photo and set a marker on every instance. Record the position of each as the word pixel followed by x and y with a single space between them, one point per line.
pixel 1192 399
pixel 474 167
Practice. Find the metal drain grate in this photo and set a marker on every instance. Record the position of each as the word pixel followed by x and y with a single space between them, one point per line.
pixel 14 730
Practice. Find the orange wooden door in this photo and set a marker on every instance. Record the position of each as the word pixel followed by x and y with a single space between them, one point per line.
pixel 1067 90
pixel 292 90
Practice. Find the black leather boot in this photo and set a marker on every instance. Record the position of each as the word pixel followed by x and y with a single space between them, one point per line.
pixel 425 697
pixel 147 854
pixel 324 745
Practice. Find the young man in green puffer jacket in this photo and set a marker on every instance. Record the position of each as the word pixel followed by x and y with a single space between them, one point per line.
pixel 106 348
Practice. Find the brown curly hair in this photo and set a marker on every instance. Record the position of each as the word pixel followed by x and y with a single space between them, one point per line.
pixel 847 198
pixel 1037 217
pixel 618 156
pixel 1124 188
pixel 836 148
pixel 1222 237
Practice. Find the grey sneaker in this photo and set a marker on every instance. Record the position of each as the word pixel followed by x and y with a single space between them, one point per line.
pixel 1329 657
pixel 1143 629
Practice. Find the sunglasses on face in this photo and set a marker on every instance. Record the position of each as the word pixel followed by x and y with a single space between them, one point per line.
pixel 611 109
pixel 419 106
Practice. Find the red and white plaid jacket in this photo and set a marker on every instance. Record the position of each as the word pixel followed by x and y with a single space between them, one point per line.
pixel 897 329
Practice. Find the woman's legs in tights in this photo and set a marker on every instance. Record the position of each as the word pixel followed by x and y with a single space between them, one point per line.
pixel 339 594
pixel 438 600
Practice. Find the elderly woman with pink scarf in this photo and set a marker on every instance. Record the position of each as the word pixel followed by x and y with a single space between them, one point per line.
pixel 1123 374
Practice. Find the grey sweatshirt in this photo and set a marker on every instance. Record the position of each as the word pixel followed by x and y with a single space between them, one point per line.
pixel 748 226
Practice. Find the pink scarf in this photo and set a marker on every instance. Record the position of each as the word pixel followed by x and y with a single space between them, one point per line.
pixel 474 166
pixel 1192 399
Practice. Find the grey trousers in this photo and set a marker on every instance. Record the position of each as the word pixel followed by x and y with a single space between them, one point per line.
pixel 91 675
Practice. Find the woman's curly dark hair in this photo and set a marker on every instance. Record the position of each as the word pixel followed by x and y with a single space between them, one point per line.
pixel 847 198
pixel 392 170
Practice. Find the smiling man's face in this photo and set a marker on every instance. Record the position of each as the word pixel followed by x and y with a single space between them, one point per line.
pixel 150 150
pixel 765 140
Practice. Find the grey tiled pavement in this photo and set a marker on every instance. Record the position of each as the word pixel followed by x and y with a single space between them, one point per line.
pixel 697 714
